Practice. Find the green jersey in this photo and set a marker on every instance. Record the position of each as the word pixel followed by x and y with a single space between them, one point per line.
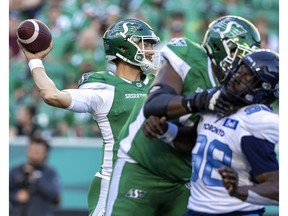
pixel 109 99
pixel 193 66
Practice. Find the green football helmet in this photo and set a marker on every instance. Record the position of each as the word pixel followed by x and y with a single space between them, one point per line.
pixel 228 39
pixel 121 41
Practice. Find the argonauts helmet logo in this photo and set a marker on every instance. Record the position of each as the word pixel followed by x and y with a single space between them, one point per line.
pixel 229 28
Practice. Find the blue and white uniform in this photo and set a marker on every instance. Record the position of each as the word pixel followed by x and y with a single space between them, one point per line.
pixel 244 141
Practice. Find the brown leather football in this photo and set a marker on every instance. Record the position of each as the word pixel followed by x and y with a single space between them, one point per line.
pixel 34 35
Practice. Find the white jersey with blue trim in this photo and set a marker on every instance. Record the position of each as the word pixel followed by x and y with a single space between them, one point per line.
pixel 219 144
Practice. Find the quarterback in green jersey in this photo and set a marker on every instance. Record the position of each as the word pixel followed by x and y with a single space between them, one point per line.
pixel 150 177
pixel 108 97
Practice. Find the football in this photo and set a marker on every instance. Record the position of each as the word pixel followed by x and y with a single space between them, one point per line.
pixel 34 35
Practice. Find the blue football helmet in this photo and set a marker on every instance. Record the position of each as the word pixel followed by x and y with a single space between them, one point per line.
pixel 262 84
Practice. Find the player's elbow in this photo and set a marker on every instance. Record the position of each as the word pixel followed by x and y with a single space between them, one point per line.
pixel 50 97
pixel 274 189
pixel 148 108
pixel 274 185
pixel 157 101
pixel 154 107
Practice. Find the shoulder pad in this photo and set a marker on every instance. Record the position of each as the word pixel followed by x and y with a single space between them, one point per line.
pixel 178 42
pixel 261 122
pixel 92 77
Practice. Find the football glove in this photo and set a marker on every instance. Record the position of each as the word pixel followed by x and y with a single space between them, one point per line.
pixel 209 100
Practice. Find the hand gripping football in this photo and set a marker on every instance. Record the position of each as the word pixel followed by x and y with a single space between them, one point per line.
pixel 34 35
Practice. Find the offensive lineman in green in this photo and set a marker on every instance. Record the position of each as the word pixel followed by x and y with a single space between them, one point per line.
pixel 109 97
pixel 150 177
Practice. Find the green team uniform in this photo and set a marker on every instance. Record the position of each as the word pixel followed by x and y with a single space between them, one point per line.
pixel 110 100
pixel 150 177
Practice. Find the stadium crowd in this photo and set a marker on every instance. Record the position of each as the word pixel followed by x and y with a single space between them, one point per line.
pixel 77 27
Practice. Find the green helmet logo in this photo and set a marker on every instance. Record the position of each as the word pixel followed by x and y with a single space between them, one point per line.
pixel 228 39
pixel 229 28
pixel 127 28
pixel 122 39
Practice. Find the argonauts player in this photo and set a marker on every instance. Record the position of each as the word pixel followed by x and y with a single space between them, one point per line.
pixel 243 142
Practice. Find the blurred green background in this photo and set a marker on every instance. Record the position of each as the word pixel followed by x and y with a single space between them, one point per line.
pixel 77 27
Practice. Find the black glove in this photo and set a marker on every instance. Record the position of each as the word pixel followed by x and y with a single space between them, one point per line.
pixel 208 100
pixel 224 105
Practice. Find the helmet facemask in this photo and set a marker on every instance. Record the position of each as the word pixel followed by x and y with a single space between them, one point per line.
pixel 258 84
pixel 127 40
pixel 141 57
pixel 227 40
pixel 238 90
pixel 235 52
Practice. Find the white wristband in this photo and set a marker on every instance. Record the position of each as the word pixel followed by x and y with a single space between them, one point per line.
pixel 35 63
pixel 170 134
pixel 260 200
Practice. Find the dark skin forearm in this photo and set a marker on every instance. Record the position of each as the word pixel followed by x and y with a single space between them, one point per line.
pixel 183 142
pixel 168 76
pixel 267 186
pixel 175 108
